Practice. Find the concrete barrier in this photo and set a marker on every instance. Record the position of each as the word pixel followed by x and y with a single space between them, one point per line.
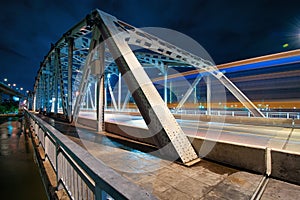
pixel 277 122
pixel 246 157
pixel 138 134
pixel 286 166
pixel 87 122
pixel 297 123
pixel 131 132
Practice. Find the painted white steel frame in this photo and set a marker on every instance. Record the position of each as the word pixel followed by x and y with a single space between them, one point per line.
pixel 110 35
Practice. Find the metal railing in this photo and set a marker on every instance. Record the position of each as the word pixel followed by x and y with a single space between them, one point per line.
pixel 269 114
pixel 82 175
pixel 238 113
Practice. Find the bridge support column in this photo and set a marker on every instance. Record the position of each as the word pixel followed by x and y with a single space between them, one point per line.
pixel 34 102
pixel 70 66
pixel 208 94
pixel 48 90
pixel 100 104
pixel 119 91
pixel 170 89
pixel 99 70
pixel 55 84
pixel 166 84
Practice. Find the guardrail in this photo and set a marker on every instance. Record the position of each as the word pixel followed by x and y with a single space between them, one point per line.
pixel 82 175
pixel 269 114
pixel 237 113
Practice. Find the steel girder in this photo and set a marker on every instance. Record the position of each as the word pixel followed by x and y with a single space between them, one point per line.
pixel 147 41
pixel 147 98
pixel 161 123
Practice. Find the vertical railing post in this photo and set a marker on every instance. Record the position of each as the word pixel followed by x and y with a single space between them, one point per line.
pixel 56 163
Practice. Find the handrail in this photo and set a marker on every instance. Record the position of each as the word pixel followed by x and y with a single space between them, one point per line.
pixel 82 175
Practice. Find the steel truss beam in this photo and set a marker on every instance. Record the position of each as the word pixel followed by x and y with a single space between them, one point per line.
pixel 188 92
pixel 161 123
pixel 147 41
pixel 118 36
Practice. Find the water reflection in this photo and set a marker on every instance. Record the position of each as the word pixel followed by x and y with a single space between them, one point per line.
pixel 17 166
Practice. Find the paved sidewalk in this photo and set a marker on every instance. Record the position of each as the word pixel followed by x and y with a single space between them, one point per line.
pixel 170 180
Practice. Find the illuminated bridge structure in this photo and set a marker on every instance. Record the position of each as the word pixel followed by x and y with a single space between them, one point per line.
pixel 6 90
pixel 95 68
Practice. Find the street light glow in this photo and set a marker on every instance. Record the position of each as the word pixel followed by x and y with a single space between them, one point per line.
pixel 5 80
pixel 21 88
pixel 14 85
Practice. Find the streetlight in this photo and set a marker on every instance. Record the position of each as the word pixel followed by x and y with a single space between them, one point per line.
pixel 14 85
pixel 5 80
pixel 21 88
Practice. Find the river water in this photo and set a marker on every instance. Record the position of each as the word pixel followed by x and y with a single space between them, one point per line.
pixel 19 174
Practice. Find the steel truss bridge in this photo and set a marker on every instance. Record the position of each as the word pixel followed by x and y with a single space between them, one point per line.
pixel 76 75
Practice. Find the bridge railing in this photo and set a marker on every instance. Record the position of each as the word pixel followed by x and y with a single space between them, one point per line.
pixel 268 114
pixel 82 175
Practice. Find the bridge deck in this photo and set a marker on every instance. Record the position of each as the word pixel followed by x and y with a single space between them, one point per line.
pixel 169 180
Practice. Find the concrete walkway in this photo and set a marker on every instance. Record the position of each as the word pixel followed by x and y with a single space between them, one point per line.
pixel 170 180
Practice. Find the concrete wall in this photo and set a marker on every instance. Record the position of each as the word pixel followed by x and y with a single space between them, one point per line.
pixel 134 133
pixel 138 134
pixel 245 157
pixel 87 123
pixel 286 165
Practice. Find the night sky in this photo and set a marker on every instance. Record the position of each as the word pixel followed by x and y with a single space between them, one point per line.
pixel 228 30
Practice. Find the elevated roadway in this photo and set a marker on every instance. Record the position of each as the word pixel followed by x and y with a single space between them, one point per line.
pixel 9 91
pixel 281 134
